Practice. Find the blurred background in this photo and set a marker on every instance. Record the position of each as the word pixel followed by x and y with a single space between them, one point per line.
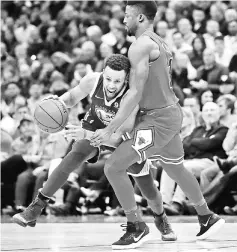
pixel 47 47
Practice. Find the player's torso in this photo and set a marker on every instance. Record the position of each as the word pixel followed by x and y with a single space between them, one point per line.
pixel 101 111
pixel 158 91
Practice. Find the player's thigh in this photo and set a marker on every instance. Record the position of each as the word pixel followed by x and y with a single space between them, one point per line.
pixel 83 148
pixel 172 153
pixel 122 157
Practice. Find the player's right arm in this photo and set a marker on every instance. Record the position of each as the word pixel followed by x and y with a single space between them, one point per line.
pixel 85 88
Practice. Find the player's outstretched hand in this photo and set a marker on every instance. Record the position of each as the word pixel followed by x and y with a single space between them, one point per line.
pixel 52 97
pixel 100 137
pixel 74 132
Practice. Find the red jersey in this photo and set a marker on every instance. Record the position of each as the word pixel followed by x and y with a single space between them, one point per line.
pixel 158 92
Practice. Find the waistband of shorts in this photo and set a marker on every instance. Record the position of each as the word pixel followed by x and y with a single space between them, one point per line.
pixel 144 111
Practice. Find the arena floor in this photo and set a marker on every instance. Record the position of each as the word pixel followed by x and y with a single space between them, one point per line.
pixel 97 233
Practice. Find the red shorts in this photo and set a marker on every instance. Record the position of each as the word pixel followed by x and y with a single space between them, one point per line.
pixel 156 135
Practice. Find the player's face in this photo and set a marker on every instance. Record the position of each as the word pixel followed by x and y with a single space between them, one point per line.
pixel 113 82
pixel 130 20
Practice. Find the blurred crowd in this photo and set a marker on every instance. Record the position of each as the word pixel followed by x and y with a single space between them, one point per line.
pixel 47 47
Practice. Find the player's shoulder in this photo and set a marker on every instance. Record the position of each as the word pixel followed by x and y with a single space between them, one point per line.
pixel 92 77
pixel 142 45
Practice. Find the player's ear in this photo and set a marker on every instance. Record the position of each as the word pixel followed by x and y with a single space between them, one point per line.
pixel 140 18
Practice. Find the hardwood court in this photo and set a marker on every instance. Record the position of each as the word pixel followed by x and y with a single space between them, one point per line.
pixel 57 237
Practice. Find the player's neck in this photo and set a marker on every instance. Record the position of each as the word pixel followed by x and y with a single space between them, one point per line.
pixel 143 29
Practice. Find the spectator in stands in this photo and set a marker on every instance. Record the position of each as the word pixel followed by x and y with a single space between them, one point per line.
pixel 200 147
pixel 105 51
pixel 226 106
pixel 185 28
pixel 188 124
pixel 223 54
pixel 212 31
pixel 122 44
pixel 35 43
pixel 192 102
pixel 199 24
pixel 230 39
pixel 163 31
pixel 36 91
pixel 170 17
pixel 206 96
pixel 12 98
pixel 217 13
pixel 179 44
pixel 196 56
pixel 209 75
pixel 24 29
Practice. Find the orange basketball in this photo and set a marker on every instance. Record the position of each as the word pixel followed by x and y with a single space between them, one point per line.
pixel 51 116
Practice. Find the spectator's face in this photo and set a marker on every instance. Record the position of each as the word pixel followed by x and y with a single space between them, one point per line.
pixel 45 17
pixel 9 36
pixel 198 16
pixel 9 22
pixel 162 28
pixel 21 112
pixel 230 15
pixel 184 26
pixel 216 13
pixel 232 28
pixel 206 97
pixel 219 45
pixel 178 40
pixel 27 128
pixel 198 46
pixel 25 71
pixel 34 35
pixel 24 19
pixel 20 51
pixel 223 108
pixel 208 57
pixel 81 69
pixel 170 15
pixel 51 33
pixel 105 50
pixel 113 82
pixel 130 20
pixel 12 90
pixel 212 27
pixel 210 113
pixel 192 104
pixel 35 91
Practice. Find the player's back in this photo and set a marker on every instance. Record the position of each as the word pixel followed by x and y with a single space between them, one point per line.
pixel 158 91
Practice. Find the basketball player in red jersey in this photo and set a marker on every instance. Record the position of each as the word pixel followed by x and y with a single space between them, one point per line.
pixel 107 90
pixel 158 124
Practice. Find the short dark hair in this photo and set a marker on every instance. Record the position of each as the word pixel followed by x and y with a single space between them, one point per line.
pixel 219 38
pixel 118 62
pixel 148 8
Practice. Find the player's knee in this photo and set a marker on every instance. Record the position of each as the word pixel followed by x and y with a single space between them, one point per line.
pixel 111 168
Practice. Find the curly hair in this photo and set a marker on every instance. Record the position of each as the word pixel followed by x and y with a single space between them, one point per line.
pixel 118 62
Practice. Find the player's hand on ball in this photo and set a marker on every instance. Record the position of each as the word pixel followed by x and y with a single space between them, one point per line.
pixel 100 137
pixel 53 97
pixel 74 132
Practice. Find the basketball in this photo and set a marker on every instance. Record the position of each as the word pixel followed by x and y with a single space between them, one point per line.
pixel 51 116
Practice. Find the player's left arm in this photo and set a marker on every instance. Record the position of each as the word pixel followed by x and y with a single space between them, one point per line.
pixel 139 58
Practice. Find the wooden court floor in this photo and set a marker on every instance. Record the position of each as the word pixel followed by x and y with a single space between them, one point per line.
pixel 98 236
